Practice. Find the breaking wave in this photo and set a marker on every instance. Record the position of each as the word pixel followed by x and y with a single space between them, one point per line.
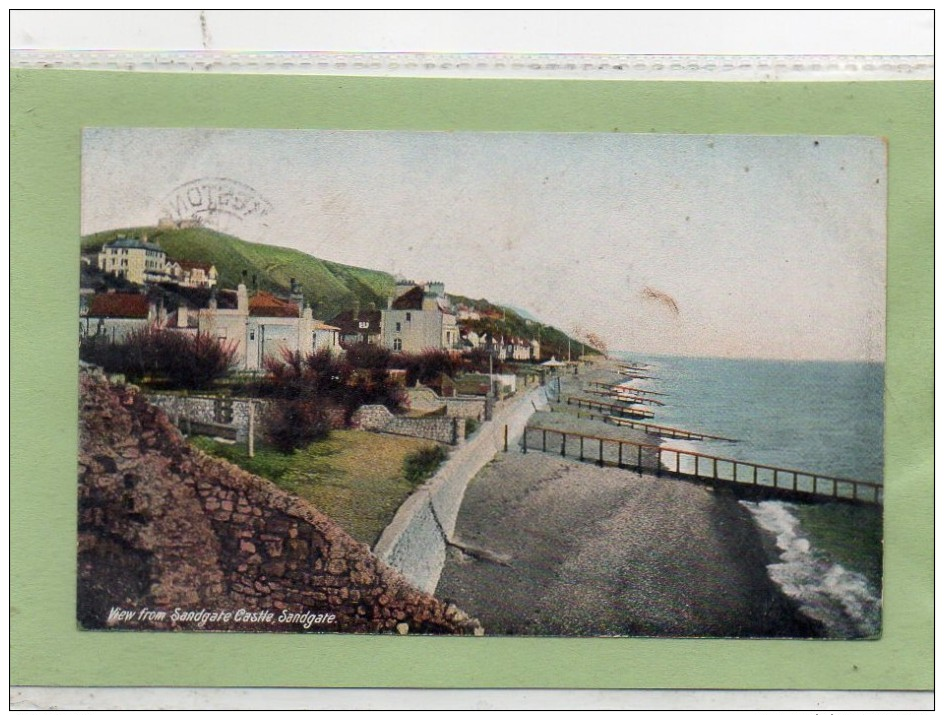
pixel 839 598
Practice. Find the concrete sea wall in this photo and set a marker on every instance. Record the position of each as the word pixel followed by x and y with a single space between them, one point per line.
pixel 415 541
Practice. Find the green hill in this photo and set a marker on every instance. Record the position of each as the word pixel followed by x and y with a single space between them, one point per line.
pixel 330 287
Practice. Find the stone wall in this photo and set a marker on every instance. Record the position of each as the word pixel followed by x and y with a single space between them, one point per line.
pixel 424 399
pixel 465 407
pixel 165 529
pixel 377 418
pixel 232 412
pixel 415 541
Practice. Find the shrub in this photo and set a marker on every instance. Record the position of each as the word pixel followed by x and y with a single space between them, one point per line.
pixel 426 365
pixel 471 424
pixel 421 465
pixel 178 359
pixel 293 424
pixel 319 391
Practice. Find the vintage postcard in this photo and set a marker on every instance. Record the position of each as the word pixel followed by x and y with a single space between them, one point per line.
pixel 578 384
pixel 482 383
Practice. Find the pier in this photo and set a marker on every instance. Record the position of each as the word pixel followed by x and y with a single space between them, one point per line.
pixel 711 469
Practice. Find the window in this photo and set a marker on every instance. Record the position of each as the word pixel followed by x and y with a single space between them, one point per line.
pixel 397 344
pixel 408 317
pixel 363 325
pixel 398 328
pixel 252 334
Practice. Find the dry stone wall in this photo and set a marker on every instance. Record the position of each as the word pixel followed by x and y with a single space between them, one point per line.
pixel 377 418
pixel 212 411
pixel 172 539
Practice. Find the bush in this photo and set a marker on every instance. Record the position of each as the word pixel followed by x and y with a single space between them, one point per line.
pixel 421 465
pixel 471 424
pixel 426 365
pixel 293 424
pixel 319 391
pixel 178 359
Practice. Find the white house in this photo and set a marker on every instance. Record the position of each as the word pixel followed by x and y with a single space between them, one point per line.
pixel 137 261
pixel 114 316
pixel 419 318
pixel 265 326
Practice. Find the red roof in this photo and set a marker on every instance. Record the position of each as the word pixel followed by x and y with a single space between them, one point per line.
pixel 266 305
pixel 119 305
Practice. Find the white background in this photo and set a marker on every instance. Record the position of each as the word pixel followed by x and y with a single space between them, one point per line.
pixel 850 32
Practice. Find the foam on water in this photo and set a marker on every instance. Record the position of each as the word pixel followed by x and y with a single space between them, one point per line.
pixel 839 598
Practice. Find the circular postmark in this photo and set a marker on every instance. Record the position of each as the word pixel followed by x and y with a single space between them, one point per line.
pixel 215 202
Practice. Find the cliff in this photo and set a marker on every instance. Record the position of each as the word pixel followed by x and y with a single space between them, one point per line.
pixel 166 530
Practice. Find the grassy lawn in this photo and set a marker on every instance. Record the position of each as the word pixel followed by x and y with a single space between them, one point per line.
pixel 356 478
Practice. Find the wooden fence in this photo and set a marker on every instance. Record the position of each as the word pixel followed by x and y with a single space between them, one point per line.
pixel 630 454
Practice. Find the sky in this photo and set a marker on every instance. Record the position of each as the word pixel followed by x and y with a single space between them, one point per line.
pixel 768 247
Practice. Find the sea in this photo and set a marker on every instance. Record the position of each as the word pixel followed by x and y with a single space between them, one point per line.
pixel 821 417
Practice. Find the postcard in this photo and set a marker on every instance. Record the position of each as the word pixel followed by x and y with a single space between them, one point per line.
pixel 541 398
pixel 482 383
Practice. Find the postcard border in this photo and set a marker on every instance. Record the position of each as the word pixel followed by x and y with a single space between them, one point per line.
pixel 49 109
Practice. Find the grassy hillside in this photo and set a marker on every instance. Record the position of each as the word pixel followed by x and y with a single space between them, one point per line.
pixel 331 287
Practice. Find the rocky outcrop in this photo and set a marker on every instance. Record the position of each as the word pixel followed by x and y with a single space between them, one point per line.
pixel 168 536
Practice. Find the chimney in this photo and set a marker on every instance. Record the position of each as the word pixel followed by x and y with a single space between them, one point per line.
pixel 357 309
pixel 296 296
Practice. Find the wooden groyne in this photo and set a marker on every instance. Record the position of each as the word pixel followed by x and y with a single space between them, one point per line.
pixel 633 365
pixel 628 397
pixel 668 461
pixel 636 375
pixel 620 385
pixel 648 427
pixel 619 410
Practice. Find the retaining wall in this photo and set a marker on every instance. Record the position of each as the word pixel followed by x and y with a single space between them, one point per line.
pixel 415 541
pixel 377 418
pixel 230 412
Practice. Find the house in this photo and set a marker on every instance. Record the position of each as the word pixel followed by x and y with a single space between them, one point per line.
pixel 470 340
pixel 535 350
pixel 195 274
pixel 265 326
pixel 465 312
pixel 517 349
pixel 358 326
pixel 135 260
pixel 114 316
pixel 419 318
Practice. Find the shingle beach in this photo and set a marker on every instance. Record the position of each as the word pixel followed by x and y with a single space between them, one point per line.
pixel 552 546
